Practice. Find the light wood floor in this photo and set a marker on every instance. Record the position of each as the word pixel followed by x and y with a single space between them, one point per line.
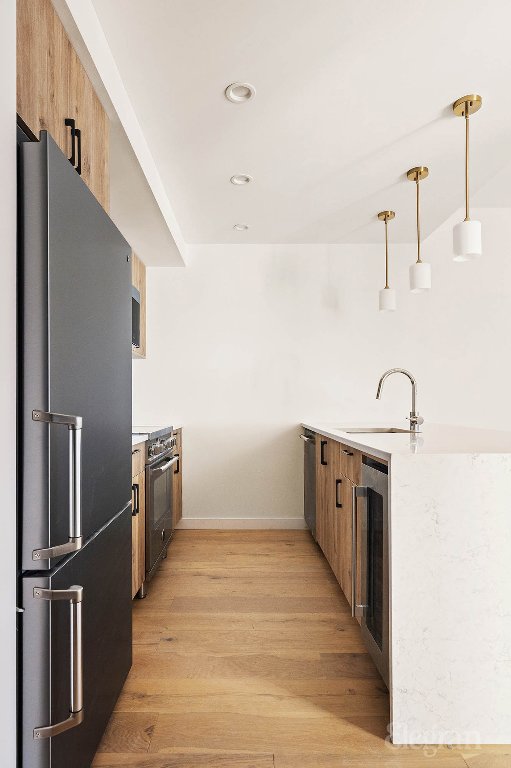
pixel 246 656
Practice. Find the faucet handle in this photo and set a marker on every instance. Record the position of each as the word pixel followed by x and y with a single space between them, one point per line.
pixel 415 420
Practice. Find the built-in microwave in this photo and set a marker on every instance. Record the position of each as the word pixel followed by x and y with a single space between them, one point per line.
pixel 135 318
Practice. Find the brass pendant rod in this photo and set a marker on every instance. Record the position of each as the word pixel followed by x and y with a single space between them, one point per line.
pixel 418 223
pixel 386 254
pixel 467 116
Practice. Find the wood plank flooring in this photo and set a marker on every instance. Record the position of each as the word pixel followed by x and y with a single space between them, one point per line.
pixel 246 656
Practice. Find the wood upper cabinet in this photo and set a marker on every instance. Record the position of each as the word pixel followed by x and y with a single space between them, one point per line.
pixel 177 482
pixel 138 280
pixel 52 87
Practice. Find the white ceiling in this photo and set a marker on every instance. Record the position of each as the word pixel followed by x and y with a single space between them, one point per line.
pixel 349 96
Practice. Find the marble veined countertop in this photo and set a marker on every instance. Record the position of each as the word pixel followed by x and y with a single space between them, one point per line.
pixel 432 439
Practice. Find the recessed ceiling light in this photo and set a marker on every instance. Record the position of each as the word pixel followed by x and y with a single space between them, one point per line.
pixel 240 227
pixel 240 179
pixel 238 92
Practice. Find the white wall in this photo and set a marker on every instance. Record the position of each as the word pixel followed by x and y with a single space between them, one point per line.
pixel 247 341
pixel 8 380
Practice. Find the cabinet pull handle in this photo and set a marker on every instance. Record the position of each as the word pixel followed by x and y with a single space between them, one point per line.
pixel 322 453
pixel 78 135
pixel 348 453
pixel 136 492
pixel 338 484
pixel 70 123
pixel 76 714
pixel 178 466
pixel 307 439
pixel 74 425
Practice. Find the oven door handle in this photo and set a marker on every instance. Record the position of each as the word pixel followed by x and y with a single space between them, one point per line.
pixel 165 466
pixel 356 491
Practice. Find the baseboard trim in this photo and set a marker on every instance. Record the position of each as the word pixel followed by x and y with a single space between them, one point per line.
pixel 241 523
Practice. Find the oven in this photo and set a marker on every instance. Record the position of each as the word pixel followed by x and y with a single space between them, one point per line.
pixel 158 509
pixel 160 465
pixel 370 572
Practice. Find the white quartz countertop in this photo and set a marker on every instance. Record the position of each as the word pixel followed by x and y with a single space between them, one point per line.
pixel 136 439
pixel 432 439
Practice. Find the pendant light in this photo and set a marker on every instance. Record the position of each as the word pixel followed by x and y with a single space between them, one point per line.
pixel 467 234
pixel 420 272
pixel 387 294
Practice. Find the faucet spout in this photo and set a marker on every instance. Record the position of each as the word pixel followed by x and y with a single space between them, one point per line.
pixel 415 419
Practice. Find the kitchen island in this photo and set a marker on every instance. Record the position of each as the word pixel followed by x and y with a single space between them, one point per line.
pixel 448 549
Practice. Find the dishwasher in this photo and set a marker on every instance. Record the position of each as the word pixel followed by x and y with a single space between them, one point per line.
pixel 309 479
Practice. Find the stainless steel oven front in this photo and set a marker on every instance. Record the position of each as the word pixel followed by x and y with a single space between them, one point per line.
pixel 158 509
pixel 370 572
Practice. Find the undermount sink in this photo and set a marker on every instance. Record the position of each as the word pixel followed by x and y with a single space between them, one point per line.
pixel 375 430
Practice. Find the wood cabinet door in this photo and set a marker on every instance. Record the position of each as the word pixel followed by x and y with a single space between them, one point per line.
pixel 323 468
pixel 177 485
pixel 328 498
pixel 339 482
pixel 138 533
pixel 141 531
pixel 52 86
pixel 134 541
pixel 86 109
pixel 43 61
pixel 99 153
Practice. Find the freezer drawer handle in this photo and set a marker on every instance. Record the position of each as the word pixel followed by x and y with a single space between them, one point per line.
pixel 76 715
pixel 74 425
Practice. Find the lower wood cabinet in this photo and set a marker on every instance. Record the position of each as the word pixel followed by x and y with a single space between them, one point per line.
pixel 324 475
pixel 177 482
pixel 138 533
pixel 337 470
pixel 137 518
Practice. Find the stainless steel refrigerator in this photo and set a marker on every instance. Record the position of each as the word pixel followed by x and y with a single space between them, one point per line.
pixel 74 450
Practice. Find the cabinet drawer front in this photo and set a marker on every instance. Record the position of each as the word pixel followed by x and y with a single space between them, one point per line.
pixel 350 463
pixel 137 459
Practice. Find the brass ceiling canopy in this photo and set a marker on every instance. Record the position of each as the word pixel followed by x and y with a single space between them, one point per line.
pixel 386 215
pixel 418 173
pixel 467 105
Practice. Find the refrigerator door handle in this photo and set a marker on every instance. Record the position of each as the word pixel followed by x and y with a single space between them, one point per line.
pixel 74 425
pixel 76 714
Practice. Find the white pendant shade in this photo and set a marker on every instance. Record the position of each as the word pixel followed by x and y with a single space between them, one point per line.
pixel 467 240
pixel 420 277
pixel 387 300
